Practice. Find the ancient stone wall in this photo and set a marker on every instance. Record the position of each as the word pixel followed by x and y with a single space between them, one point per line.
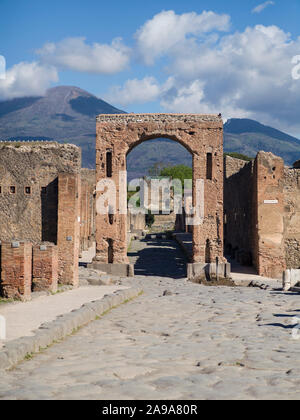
pixel 40 202
pixel 262 213
pixel 28 188
pixel 238 209
pixel 291 192
pixel 45 268
pixel 202 135
pixel 136 222
pixel 16 270
pixel 68 232
pixel 87 211
pixel 269 258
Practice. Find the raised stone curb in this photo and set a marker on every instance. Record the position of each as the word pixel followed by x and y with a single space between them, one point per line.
pixel 16 351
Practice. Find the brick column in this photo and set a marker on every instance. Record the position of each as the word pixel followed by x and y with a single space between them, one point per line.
pixel 16 270
pixel 68 235
pixel 268 249
pixel 84 215
pixel 45 268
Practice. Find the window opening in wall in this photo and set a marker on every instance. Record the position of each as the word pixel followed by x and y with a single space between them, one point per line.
pixel 207 251
pixel 28 190
pixel 109 164
pixel 110 251
pixel 111 216
pixel 12 189
pixel 209 166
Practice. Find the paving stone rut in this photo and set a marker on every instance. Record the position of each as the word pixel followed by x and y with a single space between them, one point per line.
pixel 178 340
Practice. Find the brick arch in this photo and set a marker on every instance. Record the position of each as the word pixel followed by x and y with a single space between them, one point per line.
pixel 163 135
pixel 202 135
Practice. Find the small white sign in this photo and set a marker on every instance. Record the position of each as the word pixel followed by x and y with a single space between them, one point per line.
pixel 271 201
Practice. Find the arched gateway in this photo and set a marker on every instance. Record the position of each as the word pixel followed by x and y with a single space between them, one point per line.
pixel 202 135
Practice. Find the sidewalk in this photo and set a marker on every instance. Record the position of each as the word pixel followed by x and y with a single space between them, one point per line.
pixel 22 318
pixel 241 275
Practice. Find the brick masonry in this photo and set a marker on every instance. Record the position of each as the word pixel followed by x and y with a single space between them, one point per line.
pixel 269 255
pixel 87 212
pixel 117 135
pixel 68 237
pixel 291 192
pixel 32 199
pixel 28 188
pixel 45 268
pixel 262 213
pixel 238 209
pixel 16 270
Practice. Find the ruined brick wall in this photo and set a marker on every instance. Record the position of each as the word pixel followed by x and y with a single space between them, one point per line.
pixel 269 243
pixel 135 222
pixel 202 135
pixel 254 212
pixel 238 209
pixel 45 268
pixel 28 188
pixel 68 232
pixel 16 270
pixel 87 212
pixel 291 191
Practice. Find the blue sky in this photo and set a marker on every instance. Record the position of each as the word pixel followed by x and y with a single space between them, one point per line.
pixel 232 57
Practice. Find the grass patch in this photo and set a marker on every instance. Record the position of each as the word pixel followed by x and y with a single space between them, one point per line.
pixel 115 307
pixel 29 356
pixel 3 301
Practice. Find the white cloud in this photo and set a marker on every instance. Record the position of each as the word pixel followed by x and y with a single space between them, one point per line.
pixel 242 74
pixel 263 6
pixel 76 54
pixel 165 30
pixel 134 91
pixel 2 67
pixel 27 79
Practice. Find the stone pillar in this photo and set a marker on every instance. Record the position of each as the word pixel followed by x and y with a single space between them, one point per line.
pixel 202 135
pixel 208 235
pixel 45 268
pixel 210 232
pixel 111 229
pixel 16 270
pixel 68 235
pixel 84 215
pixel 268 250
pixel 198 234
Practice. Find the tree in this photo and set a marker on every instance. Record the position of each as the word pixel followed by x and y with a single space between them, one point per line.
pixel 181 172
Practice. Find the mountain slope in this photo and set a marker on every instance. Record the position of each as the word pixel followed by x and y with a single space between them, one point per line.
pixel 67 114
pixel 248 137
pixel 64 114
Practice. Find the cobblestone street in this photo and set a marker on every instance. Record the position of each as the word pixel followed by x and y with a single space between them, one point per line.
pixel 178 340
